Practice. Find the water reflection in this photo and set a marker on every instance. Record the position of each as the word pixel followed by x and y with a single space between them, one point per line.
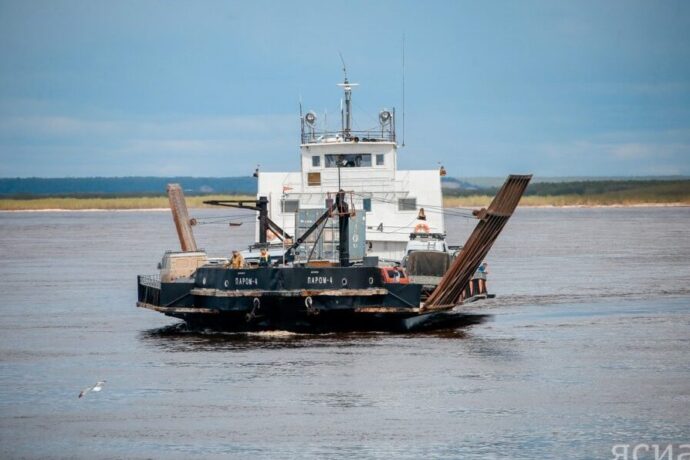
pixel 339 399
pixel 180 337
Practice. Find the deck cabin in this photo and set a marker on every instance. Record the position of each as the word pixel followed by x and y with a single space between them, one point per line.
pixel 364 164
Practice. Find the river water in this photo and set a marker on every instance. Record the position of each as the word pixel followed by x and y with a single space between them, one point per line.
pixel 589 347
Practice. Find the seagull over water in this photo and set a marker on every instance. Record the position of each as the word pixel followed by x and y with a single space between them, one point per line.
pixel 97 387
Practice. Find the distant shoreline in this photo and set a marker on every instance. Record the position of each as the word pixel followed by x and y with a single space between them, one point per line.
pixel 477 206
pixel 586 194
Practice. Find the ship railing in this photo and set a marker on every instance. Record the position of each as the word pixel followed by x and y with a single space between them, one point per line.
pixel 153 281
pixel 326 137
pixel 149 289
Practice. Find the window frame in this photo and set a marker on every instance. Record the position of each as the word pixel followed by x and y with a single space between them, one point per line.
pixel 402 206
pixel 283 206
pixel 331 159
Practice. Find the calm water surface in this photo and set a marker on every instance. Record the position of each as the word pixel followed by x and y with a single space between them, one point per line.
pixel 589 347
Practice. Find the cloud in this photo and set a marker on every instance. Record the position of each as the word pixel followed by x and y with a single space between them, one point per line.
pixel 634 151
pixel 55 126
pixel 69 146
pixel 58 145
pixel 59 126
pixel 596 157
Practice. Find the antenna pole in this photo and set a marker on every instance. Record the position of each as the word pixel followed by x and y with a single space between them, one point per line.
pixel 403 90
pixel 301 118
pixel 344 66
pixel 346 112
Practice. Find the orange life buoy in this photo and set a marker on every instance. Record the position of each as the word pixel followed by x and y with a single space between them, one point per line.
pixel 394 275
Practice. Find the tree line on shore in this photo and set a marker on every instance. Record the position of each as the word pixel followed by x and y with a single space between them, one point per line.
pixel 662 188
pixel 90 187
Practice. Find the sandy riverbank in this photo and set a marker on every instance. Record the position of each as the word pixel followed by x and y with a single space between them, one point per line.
pixel 574 206
pixel 105 204
pixel 157 203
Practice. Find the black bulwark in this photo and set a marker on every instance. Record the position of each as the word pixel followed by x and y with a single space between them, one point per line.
pixel 300 299
pixel 288 278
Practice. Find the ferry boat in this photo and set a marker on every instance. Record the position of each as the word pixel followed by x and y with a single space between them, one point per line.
pixel 333 243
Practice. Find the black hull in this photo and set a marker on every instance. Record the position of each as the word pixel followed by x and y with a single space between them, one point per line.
pixel 305 300
pixel 335 321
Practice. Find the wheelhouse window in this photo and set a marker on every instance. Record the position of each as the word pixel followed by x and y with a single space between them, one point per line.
pixel 350 160
pixel 379 159
pixel 314 178
pixel 316 161
pixel 366 204
pixel 289 205
pixel 407 204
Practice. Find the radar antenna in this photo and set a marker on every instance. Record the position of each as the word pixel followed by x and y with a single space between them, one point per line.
pixel 344 66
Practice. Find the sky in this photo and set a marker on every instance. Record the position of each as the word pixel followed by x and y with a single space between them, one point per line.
pixel 212 88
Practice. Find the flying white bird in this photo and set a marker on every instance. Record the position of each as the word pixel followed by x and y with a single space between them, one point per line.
pixel 97 387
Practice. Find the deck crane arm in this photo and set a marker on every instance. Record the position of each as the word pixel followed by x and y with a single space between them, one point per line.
pixel 260 205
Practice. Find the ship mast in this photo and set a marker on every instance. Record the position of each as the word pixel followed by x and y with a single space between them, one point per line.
pixel 346 112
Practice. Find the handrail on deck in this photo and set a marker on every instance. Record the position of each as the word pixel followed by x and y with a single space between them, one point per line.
pixel 326 137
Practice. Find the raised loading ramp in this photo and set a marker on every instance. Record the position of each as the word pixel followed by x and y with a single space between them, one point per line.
pixel 449 291
pixel 178 206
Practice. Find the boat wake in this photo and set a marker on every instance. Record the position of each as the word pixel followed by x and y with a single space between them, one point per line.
pixel 592 297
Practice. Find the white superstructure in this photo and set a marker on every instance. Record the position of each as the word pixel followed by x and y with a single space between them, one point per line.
pixel 364 163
